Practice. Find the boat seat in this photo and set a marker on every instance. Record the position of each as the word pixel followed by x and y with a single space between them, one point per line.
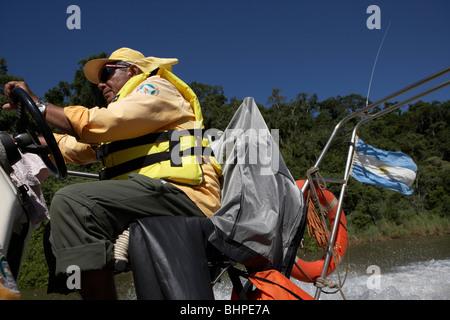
pixel 171 258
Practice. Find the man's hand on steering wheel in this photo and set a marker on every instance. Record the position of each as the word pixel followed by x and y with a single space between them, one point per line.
pixel 9 87
pixel 54 115
pixel 22 98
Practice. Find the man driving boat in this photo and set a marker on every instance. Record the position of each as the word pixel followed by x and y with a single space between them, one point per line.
pixel 151 118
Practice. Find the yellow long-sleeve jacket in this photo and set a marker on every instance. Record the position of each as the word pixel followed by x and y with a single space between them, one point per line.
pixel 152 105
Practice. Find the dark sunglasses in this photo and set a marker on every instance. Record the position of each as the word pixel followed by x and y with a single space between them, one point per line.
pixel 108 70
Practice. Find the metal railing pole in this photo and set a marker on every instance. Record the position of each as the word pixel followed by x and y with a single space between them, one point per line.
pixel 363 113
pixel 352 147
pixel 86 175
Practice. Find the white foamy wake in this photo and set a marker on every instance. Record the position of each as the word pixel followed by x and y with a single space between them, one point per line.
pixel 426 280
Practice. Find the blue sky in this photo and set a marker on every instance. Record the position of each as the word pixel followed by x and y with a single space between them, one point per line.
pixel 248 47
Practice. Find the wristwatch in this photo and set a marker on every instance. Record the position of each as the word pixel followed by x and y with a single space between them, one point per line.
pixel 42 106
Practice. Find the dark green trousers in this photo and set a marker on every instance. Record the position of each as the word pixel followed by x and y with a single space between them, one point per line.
pixel 87 218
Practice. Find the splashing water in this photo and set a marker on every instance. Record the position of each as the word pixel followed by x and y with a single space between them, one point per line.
pixel 408 269
pixel 425 280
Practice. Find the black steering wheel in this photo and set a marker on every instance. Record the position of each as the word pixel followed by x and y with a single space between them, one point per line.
pixel 27 140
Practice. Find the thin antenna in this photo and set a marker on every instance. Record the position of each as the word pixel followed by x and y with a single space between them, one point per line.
pixel 375 63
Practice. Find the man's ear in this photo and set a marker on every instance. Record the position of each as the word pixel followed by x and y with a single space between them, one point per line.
pixel 134 70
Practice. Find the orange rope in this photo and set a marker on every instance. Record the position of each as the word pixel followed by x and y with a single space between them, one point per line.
pixel 316 227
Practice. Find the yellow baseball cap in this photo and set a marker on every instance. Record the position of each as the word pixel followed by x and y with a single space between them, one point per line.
pixel 146 64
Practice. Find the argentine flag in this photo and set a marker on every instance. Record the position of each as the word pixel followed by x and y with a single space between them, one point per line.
pixel 386 169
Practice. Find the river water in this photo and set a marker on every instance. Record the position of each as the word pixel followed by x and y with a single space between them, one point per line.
pixel 407 269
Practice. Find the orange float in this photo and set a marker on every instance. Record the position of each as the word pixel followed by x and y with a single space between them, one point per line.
pixel 309 271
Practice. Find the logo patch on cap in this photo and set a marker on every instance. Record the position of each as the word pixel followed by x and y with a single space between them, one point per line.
pixel 149 89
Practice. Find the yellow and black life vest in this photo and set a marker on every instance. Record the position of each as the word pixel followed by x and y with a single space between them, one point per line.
pixel 173 155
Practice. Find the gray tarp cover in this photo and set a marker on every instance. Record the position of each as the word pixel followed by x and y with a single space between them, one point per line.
pixel 262 207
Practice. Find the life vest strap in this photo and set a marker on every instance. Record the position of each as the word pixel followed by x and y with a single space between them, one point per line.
pixel 148 160
pixel 154 137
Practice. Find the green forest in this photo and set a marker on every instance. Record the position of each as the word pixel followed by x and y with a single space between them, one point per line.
pixel 421 130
